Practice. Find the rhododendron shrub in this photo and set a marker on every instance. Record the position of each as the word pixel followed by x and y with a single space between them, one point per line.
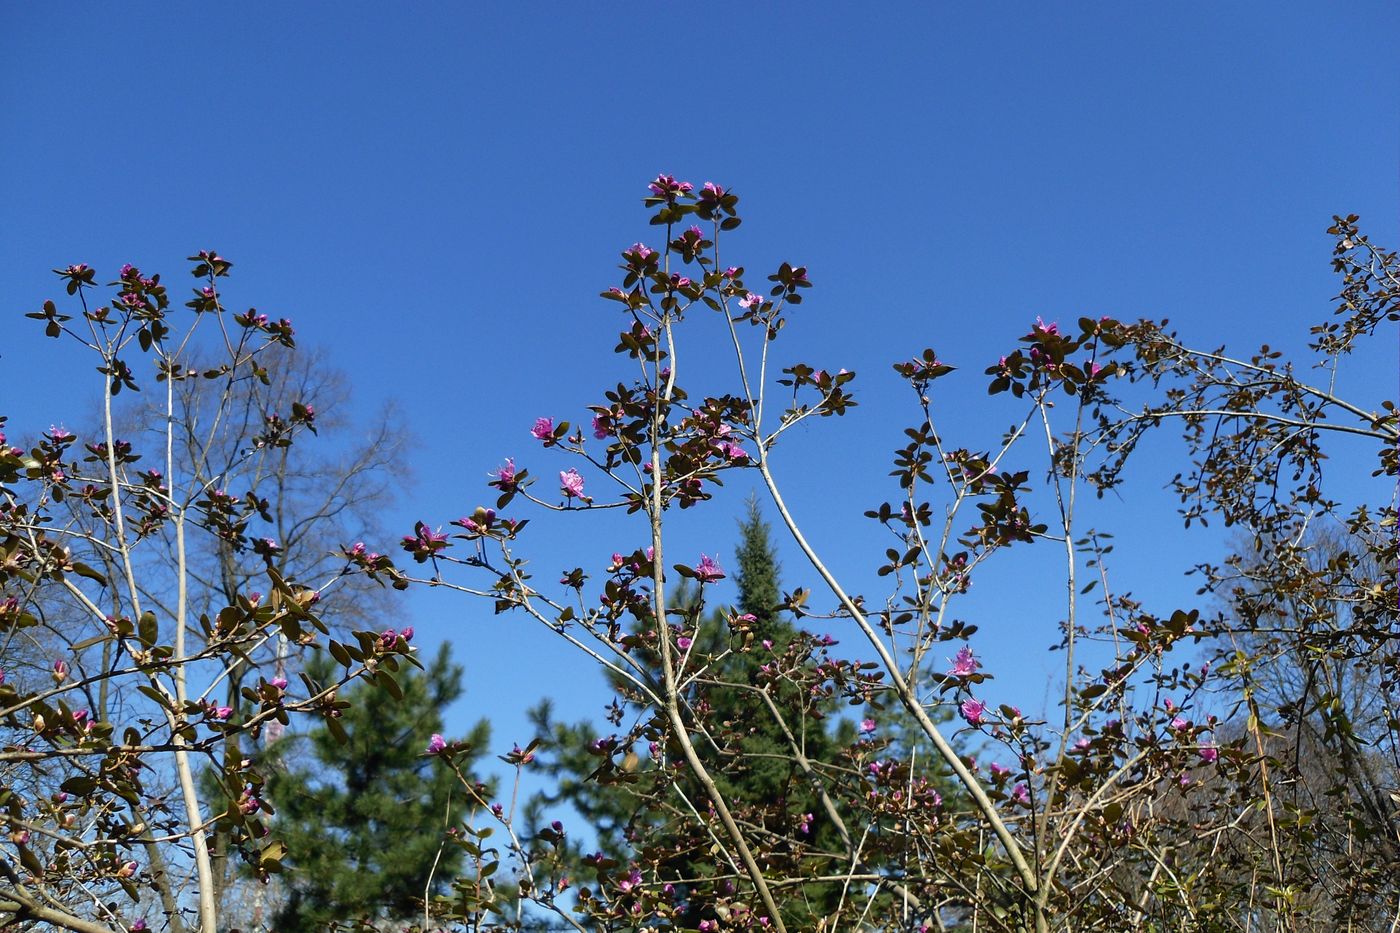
pixel 1158 794
pixel 128 779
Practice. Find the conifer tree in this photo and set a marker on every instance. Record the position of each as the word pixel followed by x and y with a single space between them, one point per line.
pixel 364 819
pixel 754 763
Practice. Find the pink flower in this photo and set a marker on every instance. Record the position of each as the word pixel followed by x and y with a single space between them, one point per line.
pixel 804 825
pixel 1180 725
pixel 973 710
pixel 543 429
pixel 571 484
pixel 965 664
pixel 1209 754
pixel 505 476
pixel 633 879
pixel 641 251
pixel 999 771
pixel 684 643
pixel 600 427
pixel 733 452
pixel 751 300
pixel 667 187
pixel 279 682
pixel 708 570
pixel 60 671
pixel 867 725
pixel 436 744
pixel 1021 794
pixel 223 712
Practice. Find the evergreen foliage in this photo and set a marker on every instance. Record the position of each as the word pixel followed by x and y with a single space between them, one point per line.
pixel 363 820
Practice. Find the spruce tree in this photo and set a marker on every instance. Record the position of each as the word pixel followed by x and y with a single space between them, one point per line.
pixel 364 820
pixel 754 764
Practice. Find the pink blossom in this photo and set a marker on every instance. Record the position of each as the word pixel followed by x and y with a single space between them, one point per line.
pixel 684 643
pixel 973 710
pixel 223 712
pixel 1180 725
pixel 436 744
pixel 965 664
pixel 867 725
pixel 733 452
pixel 633 879
pixel 642 251
pixel 1021 794
pixel 751 300
pixel 543 429
pixel 666 186
pixel 60 671
pixel 1209 754
pixel 505 476
pixel 999 771
pixel 708 570
pixel 279 682
pixel 571 483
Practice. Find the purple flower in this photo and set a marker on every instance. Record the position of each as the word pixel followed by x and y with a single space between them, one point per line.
pixel 223 712
pixel 139 925
pixel 708 570
pixel 436 744
pixel 973 710
pixel 543 429
pixel 1209 754
pixel 965 664
pixel 667 187
pixel 600 427
pixel 572 484
pixel 60 671
pixel 867 726
pixel 1021 794
pixel 642 251
pixel 279 682
pixel 684 643
pixel 733 452
pixel 999 771
pixel 424 542
pixel 751 300
pixel 1180 724
pixel 505 476
pixel 804 825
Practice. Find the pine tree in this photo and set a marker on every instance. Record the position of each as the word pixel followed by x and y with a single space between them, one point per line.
pixel 363 821
pixel 754 765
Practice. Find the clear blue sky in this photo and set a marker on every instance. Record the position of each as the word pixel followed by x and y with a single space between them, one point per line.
pixel 435 193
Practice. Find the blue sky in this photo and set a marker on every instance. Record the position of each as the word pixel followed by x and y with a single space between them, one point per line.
pixel 436 193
